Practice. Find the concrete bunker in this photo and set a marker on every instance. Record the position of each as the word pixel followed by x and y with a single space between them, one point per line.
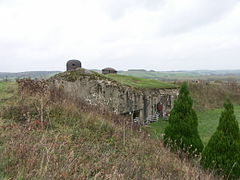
pixel 144 105
pixel 109 71
pixel 73 65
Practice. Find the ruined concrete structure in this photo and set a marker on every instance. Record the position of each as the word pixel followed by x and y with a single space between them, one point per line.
pixel 109 71
pixel 73 64
pixel 143 105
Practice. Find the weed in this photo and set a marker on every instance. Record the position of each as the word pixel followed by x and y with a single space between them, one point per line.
pixel 79 143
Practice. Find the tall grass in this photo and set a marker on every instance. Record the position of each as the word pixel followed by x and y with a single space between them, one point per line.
pixel 212 95
pixel 77 141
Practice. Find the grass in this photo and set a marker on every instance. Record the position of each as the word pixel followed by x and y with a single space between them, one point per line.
pixel 160 75
pixel 140 82
pixel 212 96
pixel 7 91
pixel 182 76
pixel 80 142
pixel 156 129
pixel 77 74
pixel 207 124
pixel 135 82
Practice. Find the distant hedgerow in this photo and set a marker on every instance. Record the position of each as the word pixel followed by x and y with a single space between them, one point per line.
pixel 222 153
pixel 182 131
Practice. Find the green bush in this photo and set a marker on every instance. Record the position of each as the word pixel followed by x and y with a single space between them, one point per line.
pixel 182 131
pixel 222 153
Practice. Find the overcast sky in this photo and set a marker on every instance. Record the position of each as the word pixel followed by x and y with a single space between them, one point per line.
pixel 124 34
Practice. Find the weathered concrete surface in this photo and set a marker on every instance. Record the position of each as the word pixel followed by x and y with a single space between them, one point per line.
pixel 142 105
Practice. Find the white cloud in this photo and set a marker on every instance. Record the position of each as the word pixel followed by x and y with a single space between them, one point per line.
pixel 152 34
pixel 185 15
pixel 118 9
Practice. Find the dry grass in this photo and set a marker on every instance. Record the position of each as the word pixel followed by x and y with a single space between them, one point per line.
pixel 211 96
pixel 77 141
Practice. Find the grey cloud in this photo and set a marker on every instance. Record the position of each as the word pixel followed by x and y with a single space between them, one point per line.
pixel 118 9
pixel 9 2
pixel 207 12
pixel 49 41
pixel 3 1
pixel 18 56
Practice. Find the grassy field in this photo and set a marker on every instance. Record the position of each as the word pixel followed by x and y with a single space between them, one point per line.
pixel 160 75
pixel 207 124
pixel 186 75
pixel 140 82
pixel 7 91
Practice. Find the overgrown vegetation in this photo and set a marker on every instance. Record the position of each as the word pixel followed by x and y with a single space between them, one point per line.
pixel 78 141
pixel 212 95
pixel 222 153
pixel 182 131
pixel 77 74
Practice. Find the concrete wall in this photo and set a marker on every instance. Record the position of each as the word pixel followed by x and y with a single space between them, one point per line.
pixel 120 99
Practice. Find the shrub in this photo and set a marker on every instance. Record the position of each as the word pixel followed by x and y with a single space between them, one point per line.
pixel 182 131
pixel 222 153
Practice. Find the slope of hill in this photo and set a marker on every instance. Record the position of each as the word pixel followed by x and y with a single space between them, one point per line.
pixel 78 141
pixel 212 95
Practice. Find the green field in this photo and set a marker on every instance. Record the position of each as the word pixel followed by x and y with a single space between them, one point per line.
pixel 186 75
pixel 207 124
pixel 140 82
pixel 161 75
pixel 7 91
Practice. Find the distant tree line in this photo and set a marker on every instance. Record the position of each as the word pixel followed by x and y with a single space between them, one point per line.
pixel 29 74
